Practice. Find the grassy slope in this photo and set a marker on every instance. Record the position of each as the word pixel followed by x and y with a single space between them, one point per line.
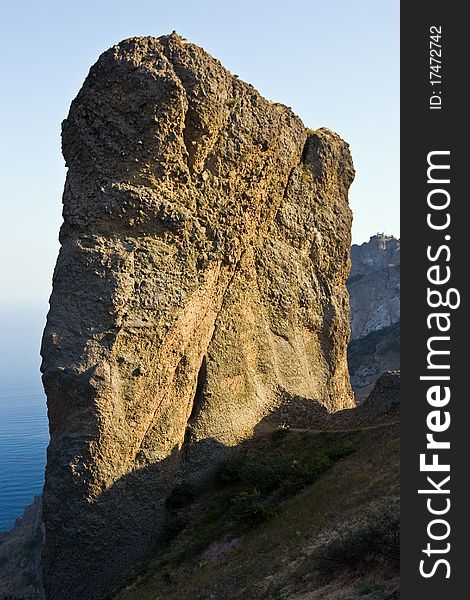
pixel 219 557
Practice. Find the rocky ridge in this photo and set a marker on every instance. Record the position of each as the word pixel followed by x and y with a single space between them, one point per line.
pixel 374 288
pixel 200 282
pixel 374 285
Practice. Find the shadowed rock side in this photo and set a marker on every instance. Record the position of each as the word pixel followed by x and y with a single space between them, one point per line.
pixel 201 278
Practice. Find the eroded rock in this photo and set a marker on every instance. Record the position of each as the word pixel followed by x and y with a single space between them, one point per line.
pixel 201 277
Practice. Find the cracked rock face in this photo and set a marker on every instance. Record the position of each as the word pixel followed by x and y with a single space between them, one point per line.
pixel 201 280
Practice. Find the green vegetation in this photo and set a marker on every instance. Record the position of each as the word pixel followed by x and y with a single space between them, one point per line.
pixel 380 342
pixel 248 487
pixel 258 520
pixel 248 508
pixel 375 536
pixel 279 470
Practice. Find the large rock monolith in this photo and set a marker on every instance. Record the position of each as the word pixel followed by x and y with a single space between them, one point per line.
pixel 200 281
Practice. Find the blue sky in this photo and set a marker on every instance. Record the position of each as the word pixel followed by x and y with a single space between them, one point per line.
pixel 335 62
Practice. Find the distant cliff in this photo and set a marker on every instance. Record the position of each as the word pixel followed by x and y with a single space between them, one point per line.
pixel 374 288
pixel 200 283
pixel 374 285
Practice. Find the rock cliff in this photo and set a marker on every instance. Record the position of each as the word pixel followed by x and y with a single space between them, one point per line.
pixel 374 285
pixel 200 282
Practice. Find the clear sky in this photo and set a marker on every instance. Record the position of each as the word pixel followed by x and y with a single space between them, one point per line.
pixel 335 62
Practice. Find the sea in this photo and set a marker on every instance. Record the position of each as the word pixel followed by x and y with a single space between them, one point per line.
pixel 24 437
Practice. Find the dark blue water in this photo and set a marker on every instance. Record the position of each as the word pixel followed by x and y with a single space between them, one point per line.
pixel 23 440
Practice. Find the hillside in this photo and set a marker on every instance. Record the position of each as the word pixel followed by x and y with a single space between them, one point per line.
pixel 298 513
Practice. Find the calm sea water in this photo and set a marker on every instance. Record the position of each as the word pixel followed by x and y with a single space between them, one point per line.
pixel 23 440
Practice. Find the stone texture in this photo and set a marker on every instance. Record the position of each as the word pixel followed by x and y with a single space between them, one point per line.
pixel 201 279
pixel 374 285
